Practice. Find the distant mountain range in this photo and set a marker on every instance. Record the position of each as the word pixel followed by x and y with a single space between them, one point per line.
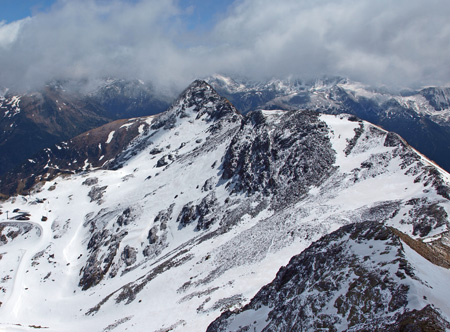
pixel 62 110
pixel 203 218
pixel 422 117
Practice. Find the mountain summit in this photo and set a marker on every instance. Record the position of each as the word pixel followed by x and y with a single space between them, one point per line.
pixel 191 212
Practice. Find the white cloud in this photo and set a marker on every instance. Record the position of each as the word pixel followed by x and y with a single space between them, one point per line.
pixel 9 32
pixel 383 42
pixel 79 38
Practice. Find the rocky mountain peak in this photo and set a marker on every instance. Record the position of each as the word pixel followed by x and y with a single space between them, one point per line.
pixel 421 117
pixel 438 98
pixel 199 100
pixel 123 139
pixel 63 109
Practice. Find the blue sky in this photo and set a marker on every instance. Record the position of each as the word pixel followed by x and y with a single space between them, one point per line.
pixel 404 43
pixel 201 14
pixel 13 10
pixel 204 13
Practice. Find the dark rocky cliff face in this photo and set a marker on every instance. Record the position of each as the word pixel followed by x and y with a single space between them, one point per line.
pixel 283 157
pixel 439 98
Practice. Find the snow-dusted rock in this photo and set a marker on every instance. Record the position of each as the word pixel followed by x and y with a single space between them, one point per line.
pixel 127 244
pixel 422 117
pixel 361 277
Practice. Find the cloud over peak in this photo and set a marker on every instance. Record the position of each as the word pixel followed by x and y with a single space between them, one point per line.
pixel 378 42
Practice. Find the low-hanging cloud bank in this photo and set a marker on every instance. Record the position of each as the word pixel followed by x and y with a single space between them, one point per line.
pixel 401 43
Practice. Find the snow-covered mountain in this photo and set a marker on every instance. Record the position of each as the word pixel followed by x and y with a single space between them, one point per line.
pixel 60 111
pixel 197 208
pixel 422 117
pixel 128 98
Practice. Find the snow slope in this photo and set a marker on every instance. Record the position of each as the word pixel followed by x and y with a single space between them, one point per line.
pixel 199 212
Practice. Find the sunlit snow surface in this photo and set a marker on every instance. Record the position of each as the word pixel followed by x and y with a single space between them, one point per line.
pixel 40 269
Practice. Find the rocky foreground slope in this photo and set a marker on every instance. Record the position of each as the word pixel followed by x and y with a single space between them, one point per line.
pixel 201 209
pixel 359 278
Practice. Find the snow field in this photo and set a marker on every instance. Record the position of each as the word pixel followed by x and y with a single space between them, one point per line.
pixel 220 273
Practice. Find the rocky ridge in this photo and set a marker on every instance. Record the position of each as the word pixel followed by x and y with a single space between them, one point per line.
pixel 202 207
pixel 91 150
pixel 422 117
pixel 358 278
